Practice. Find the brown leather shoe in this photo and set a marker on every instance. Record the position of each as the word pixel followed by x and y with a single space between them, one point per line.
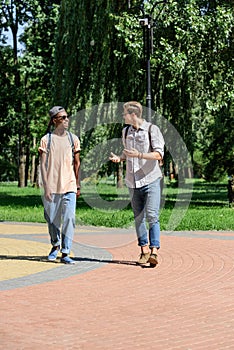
pixel 153 260
pixel 144 257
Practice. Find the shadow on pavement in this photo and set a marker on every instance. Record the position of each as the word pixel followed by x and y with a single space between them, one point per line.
pixel 77 259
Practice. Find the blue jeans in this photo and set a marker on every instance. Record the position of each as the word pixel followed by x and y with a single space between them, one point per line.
pixel 61 210
pixel 145 203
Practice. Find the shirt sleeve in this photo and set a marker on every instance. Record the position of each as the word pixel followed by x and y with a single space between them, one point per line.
pixel 43 145
pixel 76 144
pixel 123 156
pixel 157 140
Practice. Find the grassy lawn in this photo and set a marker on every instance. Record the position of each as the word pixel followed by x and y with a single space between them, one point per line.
pixel 197 205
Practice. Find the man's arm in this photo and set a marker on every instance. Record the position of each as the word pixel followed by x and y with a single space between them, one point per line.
pixel 77 171
pixel 47 191
pixel 134 153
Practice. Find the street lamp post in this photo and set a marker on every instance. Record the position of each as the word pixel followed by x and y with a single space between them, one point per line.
pixel 147 37
pixel 147 23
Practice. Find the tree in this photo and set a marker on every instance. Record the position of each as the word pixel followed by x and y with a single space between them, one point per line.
pixel 8 151
pixel 192 80
pixel 99 57
pixel 193 85
pixel 31 73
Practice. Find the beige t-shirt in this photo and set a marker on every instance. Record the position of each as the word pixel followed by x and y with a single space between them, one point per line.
pixel 60 171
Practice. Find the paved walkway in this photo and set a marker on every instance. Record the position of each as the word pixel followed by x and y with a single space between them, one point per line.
pixel 108 302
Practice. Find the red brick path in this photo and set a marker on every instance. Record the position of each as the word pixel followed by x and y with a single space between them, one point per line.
pixel 186 303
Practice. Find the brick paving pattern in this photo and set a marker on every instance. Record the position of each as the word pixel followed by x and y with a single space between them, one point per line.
pixel 108 302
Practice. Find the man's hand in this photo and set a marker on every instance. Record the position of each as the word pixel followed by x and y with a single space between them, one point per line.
pixel 78 193
pixel 48 194
pixel 133 153
pixel 114 158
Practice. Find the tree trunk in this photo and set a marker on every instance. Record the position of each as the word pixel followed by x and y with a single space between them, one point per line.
pixel 18 108
pixel 22 164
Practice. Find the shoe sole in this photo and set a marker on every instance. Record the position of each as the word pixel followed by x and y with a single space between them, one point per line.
pixel 68 263
pixel 53 259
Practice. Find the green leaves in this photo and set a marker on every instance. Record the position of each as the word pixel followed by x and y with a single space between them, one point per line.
pixel 82 53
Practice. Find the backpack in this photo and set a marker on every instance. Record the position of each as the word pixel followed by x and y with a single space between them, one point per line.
pixel 49 136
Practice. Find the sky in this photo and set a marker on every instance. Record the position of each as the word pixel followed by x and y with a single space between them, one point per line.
pixel 10 40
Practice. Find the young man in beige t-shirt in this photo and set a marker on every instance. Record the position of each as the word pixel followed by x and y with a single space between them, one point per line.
pixel 60 163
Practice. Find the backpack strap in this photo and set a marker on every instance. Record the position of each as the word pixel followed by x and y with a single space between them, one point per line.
pixel 126 132
pixel 149 133
pixel 48 149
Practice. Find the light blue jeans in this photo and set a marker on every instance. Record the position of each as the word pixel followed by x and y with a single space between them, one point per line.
pixel 61 210
pixel 145 203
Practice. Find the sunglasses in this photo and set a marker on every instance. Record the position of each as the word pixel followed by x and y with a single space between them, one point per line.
pixel 63 117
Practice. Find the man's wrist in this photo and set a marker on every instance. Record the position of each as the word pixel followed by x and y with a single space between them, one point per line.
pixel 140 155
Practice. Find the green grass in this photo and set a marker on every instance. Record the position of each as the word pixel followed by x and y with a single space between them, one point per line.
pixel 197 205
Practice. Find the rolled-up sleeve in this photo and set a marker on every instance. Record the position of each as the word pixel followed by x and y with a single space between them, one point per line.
pixel 43 145
pixel 157 140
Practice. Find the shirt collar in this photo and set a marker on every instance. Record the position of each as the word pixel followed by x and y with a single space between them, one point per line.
pixel 144 126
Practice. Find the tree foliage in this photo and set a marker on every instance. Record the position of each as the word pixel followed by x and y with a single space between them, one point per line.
pixel 28 77
pixel 100 57
pixel 81 54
